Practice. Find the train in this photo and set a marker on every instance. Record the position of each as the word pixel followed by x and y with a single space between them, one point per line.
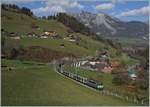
pixel 89 82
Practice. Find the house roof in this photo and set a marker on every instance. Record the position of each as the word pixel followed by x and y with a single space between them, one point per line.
pixel 12 34
pixel 52 33
pixel 100 66
pixel 115 63
pixel 133 75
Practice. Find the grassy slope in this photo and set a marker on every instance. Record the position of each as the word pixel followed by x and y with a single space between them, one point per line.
pixel 21 24
pixel 42 86
pixel 86 46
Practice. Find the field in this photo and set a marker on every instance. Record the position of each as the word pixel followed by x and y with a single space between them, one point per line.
pixel 54 44
pixel 129 42
pixel 32 83
pixel 11 21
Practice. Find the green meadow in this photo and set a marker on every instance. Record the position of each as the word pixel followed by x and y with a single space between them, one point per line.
pixel 41 85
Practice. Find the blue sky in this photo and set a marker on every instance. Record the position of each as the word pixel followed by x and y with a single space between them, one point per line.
pixel 126 10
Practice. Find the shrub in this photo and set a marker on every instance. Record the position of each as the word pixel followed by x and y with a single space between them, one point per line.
pixel 120 79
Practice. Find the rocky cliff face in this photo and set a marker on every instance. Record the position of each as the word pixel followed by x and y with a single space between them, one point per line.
pixel 105 25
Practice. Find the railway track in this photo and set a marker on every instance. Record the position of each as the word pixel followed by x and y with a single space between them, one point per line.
pixel 77 82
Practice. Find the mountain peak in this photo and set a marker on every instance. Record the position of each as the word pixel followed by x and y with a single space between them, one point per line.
pixel 103 24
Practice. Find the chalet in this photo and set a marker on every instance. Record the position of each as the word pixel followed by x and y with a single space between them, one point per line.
pixel 62 46
pixel 13 35
pixel 99 67
pixel 92 63
pixel 101 53
pixel 31 34
pixel 107 69
pixel 115 64
pixel 101 62
pixel 84 62
pixel 34 26
pixel 49 34
pixel 132 74
pixel 102 56
pixel 43 37
pixel 72 38
pixel 140 69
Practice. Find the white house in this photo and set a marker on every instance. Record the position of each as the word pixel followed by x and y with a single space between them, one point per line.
pixel 44 37
pixel 92 63
pixel 83 62
pixel 15 37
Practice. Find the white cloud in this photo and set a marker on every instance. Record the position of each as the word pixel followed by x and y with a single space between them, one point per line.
pixel 52 10
pixel 55 6
pixel 18 1
pixel 136 12
pixel 105 6
pixel 64 3
pixel 125 1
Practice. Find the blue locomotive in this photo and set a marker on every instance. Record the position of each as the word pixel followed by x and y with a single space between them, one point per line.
pixel 89 82
pixel 95 84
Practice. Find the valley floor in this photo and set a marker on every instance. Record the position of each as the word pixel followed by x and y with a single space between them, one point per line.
pixel 31 83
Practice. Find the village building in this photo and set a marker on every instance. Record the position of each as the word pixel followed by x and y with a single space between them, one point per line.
pixel 99 63
pixel 115 64
pixel 84 62
pixel 72 38
pixel 62 46
pixel 132 74
pixel 101 53
pixel 140 69
pixel 43 37
pixel 14 36
pixel 107 69
pixel 102 56
pixel 99 67
pixel 34 26
pixel 49 34
pixel 31 34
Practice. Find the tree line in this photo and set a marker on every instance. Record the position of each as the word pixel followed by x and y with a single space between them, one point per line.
pixel 72 22
pixel 14 7
pixel 69 21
